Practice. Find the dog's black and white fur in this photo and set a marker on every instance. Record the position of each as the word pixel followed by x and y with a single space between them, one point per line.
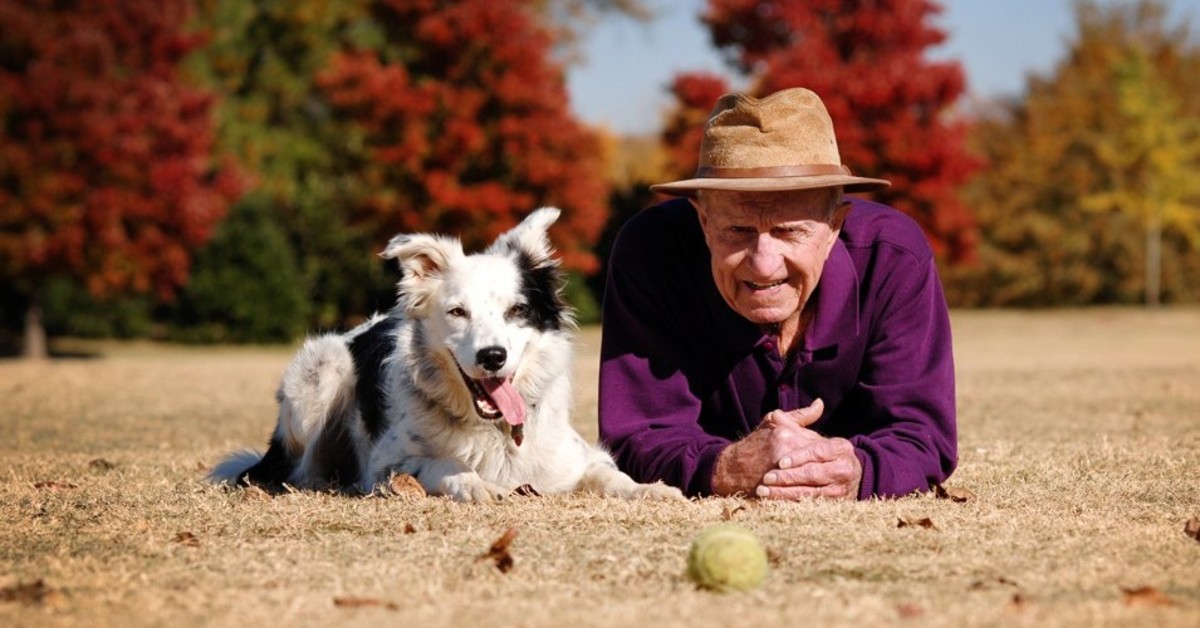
pixel 464 385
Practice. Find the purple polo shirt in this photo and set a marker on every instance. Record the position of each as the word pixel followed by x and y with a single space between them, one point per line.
pixel 682 375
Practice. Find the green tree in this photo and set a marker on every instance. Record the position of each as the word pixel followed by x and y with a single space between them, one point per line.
pixel 246 286
pixel 263 56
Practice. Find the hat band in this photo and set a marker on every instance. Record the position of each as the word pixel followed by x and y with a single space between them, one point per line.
pixel 718 172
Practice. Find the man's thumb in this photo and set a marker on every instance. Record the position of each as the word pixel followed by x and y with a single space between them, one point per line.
pixel 805 417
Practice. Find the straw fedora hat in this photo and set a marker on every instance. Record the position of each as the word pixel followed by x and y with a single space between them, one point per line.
pixel 784 141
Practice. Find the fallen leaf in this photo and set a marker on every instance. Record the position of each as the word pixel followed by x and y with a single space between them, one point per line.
pixel 201 467
pixel 1001 580
pixel 54 486
pixel 1192 528
pixel 498 552
pixel 100 464
pixel 954 494
pixel 187 539
pixel 409 529
pixel 924 522
pixel 526 490
pixel 727 513
pixel 36 592
pixel 773 557
pixel 909 611
pixel 1146 596
pixel 361 602
pixel 254 492
pixel 1018 602
pixel 405 486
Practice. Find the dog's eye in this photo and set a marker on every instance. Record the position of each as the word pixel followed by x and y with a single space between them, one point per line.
pixel 457 312
pixel 518 310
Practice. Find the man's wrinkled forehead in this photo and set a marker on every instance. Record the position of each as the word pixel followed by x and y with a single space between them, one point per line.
pixel 777 206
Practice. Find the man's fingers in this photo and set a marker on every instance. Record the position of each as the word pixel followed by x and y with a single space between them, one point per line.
pixel 834 491
pixel 803 417
pixel 837 471
pixel 825 450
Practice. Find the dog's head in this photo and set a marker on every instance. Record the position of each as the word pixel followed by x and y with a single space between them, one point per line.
pixel 484 309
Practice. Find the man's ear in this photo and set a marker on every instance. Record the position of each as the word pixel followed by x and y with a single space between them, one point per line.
pixel 839 216
pixel 700 213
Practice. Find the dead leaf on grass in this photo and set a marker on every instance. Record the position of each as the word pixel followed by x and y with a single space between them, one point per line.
pixel 100 464
pixel 1001 580
pixel 52 485
pixel 187 539
pixel 909 611
pixel 36 592
pixel 409 529
pixel 727 513
pixel 1146 597
pixel 363 602
pixel 202 467
pixel 954 493
pixel 924 522
pixel 526 490
pixel 1192 528
pixel 1018 603
pixel 498 552
pixel 405 486
pixel 254 492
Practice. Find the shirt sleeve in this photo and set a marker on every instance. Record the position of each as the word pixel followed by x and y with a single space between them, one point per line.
pixel 905 395
pixel 648 413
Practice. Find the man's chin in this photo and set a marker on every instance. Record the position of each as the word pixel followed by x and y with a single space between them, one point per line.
pixel 767 315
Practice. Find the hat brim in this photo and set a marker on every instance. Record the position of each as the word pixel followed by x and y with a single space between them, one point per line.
pixel 689 187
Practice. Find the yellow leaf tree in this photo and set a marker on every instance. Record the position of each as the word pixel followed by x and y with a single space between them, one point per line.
pixel 1152 161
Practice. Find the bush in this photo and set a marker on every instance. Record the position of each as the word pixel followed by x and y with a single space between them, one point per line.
pixel 246 285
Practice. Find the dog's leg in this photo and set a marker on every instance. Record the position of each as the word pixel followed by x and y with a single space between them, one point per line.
pixel 602 476
pixel 438 476
pixel 316 406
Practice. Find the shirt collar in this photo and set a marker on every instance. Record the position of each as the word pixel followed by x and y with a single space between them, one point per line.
pixel 836 316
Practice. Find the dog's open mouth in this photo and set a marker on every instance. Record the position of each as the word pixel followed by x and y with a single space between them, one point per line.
pixel 496 397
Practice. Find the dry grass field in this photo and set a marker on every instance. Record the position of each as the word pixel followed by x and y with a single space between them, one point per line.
pixel 1079 438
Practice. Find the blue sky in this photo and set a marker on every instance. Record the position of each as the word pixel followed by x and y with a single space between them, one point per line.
pixel 622 82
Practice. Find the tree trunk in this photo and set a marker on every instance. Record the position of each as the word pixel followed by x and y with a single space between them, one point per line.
pixel 35 333
pixel 1154 262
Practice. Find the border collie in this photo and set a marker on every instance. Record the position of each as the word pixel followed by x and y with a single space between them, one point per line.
pixel 464 385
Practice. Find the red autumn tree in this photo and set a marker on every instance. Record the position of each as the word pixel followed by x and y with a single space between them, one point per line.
pixel 695 93
pixel 889 103
pixel 467 124
pixel 106 174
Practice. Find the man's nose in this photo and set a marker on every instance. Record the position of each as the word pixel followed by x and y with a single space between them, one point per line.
pixel 764 256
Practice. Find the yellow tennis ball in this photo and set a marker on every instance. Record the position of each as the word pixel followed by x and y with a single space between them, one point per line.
pixel 727 557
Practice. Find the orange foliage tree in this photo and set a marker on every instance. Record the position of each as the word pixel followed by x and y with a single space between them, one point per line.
pixel 106 168
pixel 466 123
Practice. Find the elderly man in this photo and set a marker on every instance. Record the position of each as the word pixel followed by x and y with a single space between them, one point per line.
pixel 765 336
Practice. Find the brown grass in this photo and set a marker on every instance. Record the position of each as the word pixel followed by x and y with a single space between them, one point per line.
pixel 1080 437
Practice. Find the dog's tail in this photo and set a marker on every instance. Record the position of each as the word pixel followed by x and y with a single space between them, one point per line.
pixel 234 466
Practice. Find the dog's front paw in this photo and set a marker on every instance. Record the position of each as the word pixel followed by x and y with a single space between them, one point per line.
pixel 656 491
pixel 474 489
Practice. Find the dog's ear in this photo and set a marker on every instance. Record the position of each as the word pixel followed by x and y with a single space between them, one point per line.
pixel 423 260
pixel 529 237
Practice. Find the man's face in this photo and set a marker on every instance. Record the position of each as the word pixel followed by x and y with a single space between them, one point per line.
pixel 769 248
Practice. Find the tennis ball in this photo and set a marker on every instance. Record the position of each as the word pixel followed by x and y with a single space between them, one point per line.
pixel 727 557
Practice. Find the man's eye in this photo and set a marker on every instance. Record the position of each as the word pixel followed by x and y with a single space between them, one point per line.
pixel 457 312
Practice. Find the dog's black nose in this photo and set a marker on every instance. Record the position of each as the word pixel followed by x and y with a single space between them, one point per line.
pixel 491 358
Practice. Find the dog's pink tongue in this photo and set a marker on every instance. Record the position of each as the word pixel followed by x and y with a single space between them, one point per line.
pixel 508 400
